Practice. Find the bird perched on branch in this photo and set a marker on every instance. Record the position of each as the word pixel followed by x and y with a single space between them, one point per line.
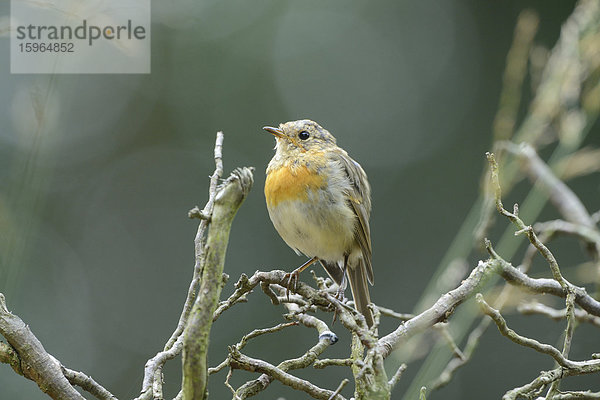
pixel 319 201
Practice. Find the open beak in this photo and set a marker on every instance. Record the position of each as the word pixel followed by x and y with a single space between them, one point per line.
pixel 275 131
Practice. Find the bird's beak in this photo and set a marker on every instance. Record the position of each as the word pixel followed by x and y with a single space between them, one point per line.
pixel 275 131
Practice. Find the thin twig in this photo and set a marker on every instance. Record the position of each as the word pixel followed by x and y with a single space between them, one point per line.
pixel 439 311
pixel 587 366
pixel 557 315
pixel 88 384
pixel 569 330
pixel 576 395
pixel 397 375
pixel 335 362
pixel 522 228
pixel 240 361
pixel 337 391
pixel 152 382
pixel 442 327
pixel 388 312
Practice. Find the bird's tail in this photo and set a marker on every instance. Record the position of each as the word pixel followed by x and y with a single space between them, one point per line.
pixel 360 290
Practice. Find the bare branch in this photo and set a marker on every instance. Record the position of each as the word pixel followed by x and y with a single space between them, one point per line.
pixel 442 327
pixel 391 313
pixel 88 384
pixel 546 378
pixel 36 363
pixel 587 366
pixel 343 383
pixel 522 228
pixel 397 375
pixel 336 362
pixel 549 286
pixel 569 330
pixel 557 315
pixel 521 340
pixel 238 360
pixel 586 395
pixel 440 311
pixel 457 362
pixel 326 338
pixel 196 333
pixel 152 382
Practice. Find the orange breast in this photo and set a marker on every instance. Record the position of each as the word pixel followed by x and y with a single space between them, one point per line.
pixel 291 184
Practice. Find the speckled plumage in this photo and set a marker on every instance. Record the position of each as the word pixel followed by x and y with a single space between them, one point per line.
pixel 318 199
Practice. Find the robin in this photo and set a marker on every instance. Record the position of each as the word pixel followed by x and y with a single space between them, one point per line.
pixel 319 201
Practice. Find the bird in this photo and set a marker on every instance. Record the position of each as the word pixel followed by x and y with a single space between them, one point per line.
pixel 319 201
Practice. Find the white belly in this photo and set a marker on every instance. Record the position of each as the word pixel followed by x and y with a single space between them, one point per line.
pixel 326 232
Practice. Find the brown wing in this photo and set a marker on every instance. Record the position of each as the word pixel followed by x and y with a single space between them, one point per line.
pixel 359 198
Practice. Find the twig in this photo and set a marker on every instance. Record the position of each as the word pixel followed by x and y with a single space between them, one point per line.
pixel 275 279
pixel 541 309
pixel 569 330
pixel 88 384
pixel 545 378
pixel 541 285
pixel 238 360
pixel 576 395
pixel 442 327
pixel 36 363
pixel 242 287
pixel 522 228
pixel 396 378
pixel 391 313
pixel 255 333
pixel 438 312
pixel 337 391
pixel 152 382
pixel 563 198
pixel 587 366
pixel 231 388
pixel 197 330
pixel 457 362
pixel 259 332
pixel 214 370
pixel 335 362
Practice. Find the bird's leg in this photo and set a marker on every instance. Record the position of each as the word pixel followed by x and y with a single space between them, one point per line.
pixel 292 277
pixel 344 282
pixel 340 292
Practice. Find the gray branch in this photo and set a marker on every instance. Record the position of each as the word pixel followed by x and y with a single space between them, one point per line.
pixel 438 312
pixel 35 363
pixel 152 382
pixel 196 333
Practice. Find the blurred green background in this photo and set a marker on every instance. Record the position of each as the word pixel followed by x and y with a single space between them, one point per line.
pixel 97 173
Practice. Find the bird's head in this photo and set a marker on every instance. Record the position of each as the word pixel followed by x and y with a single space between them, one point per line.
pixel 300 137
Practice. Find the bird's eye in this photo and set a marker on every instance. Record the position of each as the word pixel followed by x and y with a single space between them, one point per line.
pixel 303 135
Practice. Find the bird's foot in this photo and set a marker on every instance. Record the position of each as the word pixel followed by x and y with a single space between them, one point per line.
pixel 292 282
pixel 339 294
pixel 292 277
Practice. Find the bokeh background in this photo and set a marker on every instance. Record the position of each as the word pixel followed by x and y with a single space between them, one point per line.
pixel 97 173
